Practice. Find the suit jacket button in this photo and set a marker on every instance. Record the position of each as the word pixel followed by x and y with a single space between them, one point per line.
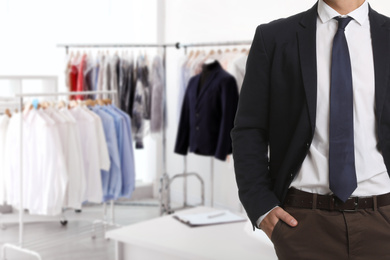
pixel 292 176
pixel 307 145
pixel 197 128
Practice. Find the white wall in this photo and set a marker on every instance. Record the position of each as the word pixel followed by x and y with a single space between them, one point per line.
pixel 30 31
pixel 208 21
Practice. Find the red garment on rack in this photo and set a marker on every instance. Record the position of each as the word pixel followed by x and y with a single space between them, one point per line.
pixel 80 79
pixel 73 79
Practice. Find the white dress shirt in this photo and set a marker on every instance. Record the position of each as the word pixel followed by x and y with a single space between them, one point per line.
pixel 88 134
pixel 76 188
pixel 45 175
pixel 371 170
pixel 104 157
pixel 372 176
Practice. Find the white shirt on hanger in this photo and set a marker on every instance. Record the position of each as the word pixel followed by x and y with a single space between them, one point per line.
pixel 76 188
pixel 104 157
pixel 88 134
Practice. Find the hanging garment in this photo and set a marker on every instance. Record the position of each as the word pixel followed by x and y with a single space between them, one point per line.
pixel 207 118
pixel 125 150
pixel 114 73
pixel 157 100
pixel 132 84
pixel 237 68
pixel 138 116
pixel 89 76
pixel 102 69
pixel 44 169
pixel 112 180
pixel 143 78
pixel 125 84
pixel 73 75
pixel 74 196
pixel 128 163
pixel 88 134
pixel 106 74
pixel 81 76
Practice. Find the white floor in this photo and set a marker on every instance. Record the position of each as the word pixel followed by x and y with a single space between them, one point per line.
pixel 54 241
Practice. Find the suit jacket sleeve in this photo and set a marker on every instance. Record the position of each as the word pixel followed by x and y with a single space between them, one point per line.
pixel 251 132
pixel 229 100
pixel 183 131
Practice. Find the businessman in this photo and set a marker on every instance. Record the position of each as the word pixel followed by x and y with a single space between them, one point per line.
pixel 311 141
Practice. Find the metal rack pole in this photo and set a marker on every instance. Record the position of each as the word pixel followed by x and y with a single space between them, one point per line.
pixel 211 44
pixel 114 45
pixel 21 211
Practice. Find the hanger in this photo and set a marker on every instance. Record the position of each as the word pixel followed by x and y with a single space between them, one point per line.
pixel 100 102
pixel 61 104
pixel 72 104
pixel 27 107
pixel 89 102
pixel 8 113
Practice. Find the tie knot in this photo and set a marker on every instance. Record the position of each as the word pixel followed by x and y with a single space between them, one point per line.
pixel 343 21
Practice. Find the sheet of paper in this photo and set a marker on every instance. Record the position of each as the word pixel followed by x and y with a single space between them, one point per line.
pixel 211 218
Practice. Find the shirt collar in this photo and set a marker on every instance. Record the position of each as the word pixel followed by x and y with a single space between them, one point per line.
pixel 327 13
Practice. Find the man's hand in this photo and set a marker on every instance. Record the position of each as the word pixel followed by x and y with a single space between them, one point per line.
pixel 269 222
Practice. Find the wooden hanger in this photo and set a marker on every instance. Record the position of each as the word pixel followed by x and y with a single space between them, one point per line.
pixel 100 102
pixel 61 104
pixel 72 104
pixel 89 102
pixel 191 54
pixel 44 105
pixel 8 113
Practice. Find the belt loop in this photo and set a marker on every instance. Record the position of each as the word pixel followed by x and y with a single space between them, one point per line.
pixel 314 206
pixel 375 202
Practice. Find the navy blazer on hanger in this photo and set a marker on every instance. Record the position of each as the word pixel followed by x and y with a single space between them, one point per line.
pixel 208 117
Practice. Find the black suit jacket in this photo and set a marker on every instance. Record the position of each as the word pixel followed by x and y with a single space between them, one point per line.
pixel 207 119
pixel 277 106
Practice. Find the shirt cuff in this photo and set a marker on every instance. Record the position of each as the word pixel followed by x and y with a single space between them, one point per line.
pixel 263 217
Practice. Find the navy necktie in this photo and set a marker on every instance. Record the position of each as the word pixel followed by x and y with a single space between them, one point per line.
pixel 342 173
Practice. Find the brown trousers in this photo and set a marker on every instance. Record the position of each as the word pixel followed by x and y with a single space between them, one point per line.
pixel 334 235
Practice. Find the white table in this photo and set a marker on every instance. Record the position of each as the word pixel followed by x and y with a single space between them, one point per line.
pixel 166 238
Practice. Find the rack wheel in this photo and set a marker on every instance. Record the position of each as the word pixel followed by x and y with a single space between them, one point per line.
pixel 64 222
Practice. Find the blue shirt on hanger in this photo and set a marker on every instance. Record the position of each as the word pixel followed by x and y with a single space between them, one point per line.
pixel 125 151
pixel 128 184
pixel 112 182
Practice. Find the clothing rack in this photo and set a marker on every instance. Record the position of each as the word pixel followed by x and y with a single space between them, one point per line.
pixel 20 247
pixel 137 45
pixel 185 175
pixel 210 44
pixel 165 180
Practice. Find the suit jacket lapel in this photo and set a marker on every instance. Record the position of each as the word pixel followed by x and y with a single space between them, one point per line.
pixel 206 86
pixel 381 52
pixel 308 54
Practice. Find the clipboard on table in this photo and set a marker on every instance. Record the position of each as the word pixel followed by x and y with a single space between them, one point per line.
pixel 210 218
